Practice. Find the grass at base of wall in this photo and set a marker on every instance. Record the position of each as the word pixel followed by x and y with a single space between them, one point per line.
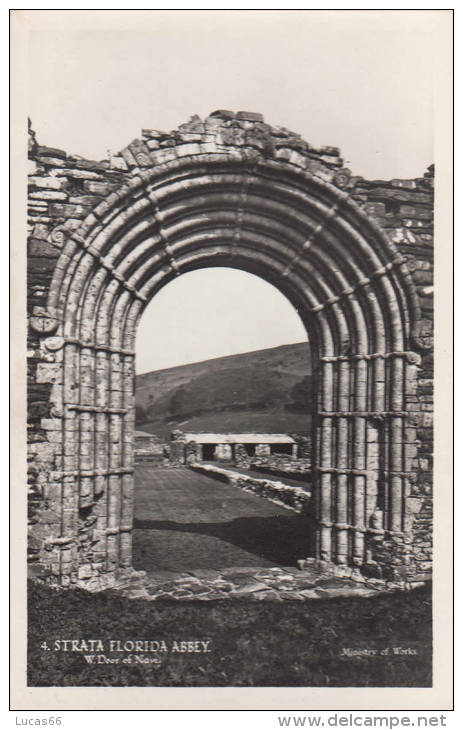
pixel 251 643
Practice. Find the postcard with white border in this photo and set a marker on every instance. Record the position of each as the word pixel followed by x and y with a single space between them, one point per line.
pixel 228 419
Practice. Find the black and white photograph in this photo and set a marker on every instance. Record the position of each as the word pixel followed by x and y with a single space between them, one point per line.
pixel 229 285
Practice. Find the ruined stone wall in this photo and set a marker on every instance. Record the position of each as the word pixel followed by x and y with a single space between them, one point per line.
pixel 177 453
pixel 64 189
pixel 404 211
pixel 296 498
pixel 281 465
pixel 276 462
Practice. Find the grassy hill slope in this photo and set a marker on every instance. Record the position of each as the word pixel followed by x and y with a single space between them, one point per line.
pixel 267 390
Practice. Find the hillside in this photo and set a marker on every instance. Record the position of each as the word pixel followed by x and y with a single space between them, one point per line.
pixel 266 390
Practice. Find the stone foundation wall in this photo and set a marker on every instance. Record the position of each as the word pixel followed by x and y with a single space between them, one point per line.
pixel 288 496
pixel 299 469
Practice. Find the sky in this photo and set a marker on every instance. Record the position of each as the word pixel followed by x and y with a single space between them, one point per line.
pixel 361 81
pixel 212 313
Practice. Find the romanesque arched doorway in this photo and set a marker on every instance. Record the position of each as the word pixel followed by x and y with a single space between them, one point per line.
pixel 310 240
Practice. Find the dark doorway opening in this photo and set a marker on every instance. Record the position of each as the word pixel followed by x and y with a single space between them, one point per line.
pixel 208 452
pixel 284 449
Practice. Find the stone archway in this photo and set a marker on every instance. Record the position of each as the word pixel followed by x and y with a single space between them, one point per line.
pixel 191 208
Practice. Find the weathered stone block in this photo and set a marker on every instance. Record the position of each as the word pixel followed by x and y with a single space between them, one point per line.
pixel 76 174
pixel 96 187
pixel 39 248
pixel 118 163
pixel 187 149
pixel 411 211
pixel 47 195
pixel 85 571
pixel 87 200
pixel 48 182
pixel 40 231
pixel 226 114
pixel 50 151
pixel 49 373
pixel 66 210
pixel 48 161
pixel 375 209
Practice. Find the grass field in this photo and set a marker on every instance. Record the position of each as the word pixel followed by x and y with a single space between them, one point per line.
pixel 252 644
pixel 197 521
pixel 185 520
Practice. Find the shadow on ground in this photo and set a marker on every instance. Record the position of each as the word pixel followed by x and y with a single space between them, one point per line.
pixel 253 541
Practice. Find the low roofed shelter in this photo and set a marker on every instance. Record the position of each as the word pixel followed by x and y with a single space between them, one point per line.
pixel 226 446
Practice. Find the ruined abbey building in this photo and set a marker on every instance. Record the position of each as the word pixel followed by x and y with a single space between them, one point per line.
pixel 353 256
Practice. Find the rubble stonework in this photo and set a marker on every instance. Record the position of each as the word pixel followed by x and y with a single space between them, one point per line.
pixel 148 448
pixel 299 468
pixel 353 256
pixel 288 496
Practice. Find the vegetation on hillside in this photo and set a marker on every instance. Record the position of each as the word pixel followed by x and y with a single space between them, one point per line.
pixel 267 390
